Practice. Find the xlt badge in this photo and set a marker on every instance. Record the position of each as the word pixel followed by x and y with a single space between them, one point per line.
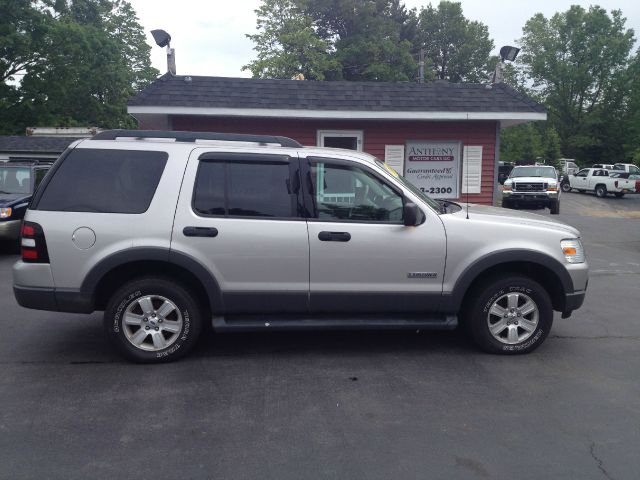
pixel 422 275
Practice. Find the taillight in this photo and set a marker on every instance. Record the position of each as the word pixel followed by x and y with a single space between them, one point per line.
pixel 34 246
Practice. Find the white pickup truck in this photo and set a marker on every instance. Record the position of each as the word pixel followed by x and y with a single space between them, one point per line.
pixel 597 180
pixel 626 167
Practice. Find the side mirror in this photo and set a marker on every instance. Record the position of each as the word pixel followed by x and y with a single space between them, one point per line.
pixel 410 214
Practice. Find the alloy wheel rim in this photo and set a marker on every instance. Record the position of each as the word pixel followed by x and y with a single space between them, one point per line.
pixel 513 318
pixel 152 323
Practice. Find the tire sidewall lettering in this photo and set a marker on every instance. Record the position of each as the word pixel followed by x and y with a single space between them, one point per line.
pixel 525 345
pixel 121 307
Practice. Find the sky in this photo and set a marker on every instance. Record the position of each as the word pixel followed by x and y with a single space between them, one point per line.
pixel 209 35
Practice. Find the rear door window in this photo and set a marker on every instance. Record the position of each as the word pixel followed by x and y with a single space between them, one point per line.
pixel 104 181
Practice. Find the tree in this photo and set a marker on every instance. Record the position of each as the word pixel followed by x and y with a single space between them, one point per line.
pixel 287 43
pixel 521 144
pixel 334 40
pixel 576 62
pixel 459 49
pixel 22 29
pixel 631 118
pixel 91 58
pixel 530 143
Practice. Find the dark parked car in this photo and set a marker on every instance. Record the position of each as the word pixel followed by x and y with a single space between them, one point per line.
pixel 504 169
pixel 18 181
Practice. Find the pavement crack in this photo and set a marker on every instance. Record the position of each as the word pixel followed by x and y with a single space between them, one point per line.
pixel 592 451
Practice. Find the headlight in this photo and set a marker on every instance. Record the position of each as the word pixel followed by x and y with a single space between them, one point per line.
pixel 5 212
pixel 573 250
pixel 506 187
pixel 552 187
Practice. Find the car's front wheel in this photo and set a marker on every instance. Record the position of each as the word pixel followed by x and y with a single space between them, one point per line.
pixel 153 320
pixel 554 207
pixel 601 191
pixel 510 315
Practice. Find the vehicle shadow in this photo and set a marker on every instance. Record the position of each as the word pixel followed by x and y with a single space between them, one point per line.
pixel 82 341
pixel 332 343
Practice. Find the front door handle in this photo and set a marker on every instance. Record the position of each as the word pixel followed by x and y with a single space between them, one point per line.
pixel 334 236
pixel 200 232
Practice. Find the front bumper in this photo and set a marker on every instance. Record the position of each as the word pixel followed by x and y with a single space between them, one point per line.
pixel 10 229
pixel 530 197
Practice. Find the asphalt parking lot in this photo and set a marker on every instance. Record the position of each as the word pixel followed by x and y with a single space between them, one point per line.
pixel 367 405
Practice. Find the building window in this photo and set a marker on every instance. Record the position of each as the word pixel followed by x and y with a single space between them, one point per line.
pixel 349 139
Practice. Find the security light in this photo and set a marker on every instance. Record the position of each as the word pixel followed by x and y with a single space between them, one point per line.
pixel 509 53
pixel 162 38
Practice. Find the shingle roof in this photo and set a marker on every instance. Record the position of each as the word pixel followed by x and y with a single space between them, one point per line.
pixel 225 92
pixel 35 144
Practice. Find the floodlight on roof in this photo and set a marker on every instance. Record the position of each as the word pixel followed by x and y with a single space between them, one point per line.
pixel 509 53
pixel 163 39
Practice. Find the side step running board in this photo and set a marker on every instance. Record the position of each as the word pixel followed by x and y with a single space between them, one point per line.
pixel 233 323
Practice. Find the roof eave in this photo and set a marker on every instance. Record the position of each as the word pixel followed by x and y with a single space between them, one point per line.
pixel 139 111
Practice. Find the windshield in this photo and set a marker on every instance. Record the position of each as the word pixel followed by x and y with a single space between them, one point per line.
pixel 415 190
pixel 15 180
pixel 546 172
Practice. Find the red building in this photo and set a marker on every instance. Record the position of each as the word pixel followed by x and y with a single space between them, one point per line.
pixel 444 137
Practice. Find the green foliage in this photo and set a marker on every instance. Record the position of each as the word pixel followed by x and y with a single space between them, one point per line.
pixel 79 64
pixel 576 62
pixel 459 49
pixel 334 40
pixel 631 117
pixel 288 43
pixel 529 143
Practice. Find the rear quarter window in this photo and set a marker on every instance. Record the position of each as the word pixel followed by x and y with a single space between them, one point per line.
pixel 104 181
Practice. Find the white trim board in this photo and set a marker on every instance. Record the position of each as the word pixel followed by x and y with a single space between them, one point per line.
pixel 334 114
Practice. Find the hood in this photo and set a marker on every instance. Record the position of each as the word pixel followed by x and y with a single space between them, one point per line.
pixel 514 217
pixel 531 180
pixel 9 199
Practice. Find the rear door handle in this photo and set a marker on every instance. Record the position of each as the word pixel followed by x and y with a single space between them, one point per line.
pixel 200 232
pixel 334 236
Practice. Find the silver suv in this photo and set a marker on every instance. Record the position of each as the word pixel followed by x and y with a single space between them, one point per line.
pixel 167 232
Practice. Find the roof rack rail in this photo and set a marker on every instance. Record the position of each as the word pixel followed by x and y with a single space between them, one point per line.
pixel 193 136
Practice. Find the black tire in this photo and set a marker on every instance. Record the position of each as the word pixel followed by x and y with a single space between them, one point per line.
pixel 619 195
pixel 601 191
pixel 478 318
pixel 554 207
pixel 566 187
pixel 506 204
pixel 186 318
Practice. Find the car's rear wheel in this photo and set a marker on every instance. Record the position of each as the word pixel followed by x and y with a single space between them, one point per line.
pixel 509 316
pixel 153 320
pixel 601 191
pixel 566 187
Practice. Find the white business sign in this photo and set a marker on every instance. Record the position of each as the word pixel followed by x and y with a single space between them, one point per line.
pixel 434 167
pixel 394 157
